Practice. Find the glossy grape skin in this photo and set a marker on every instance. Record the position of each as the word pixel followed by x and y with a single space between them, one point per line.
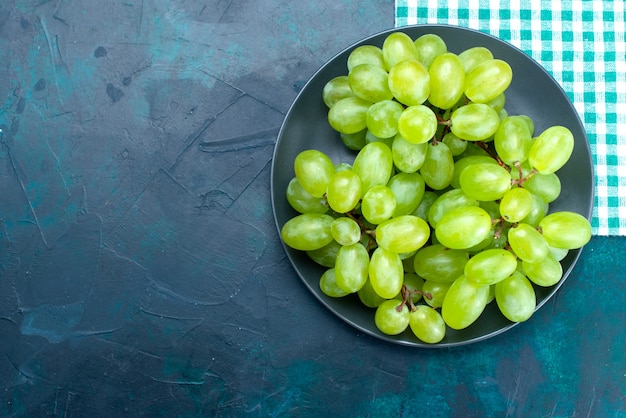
pixel 551 149
pixel 349 115
pixel 487 80
pixel 336 89
pixel 513 140
pixel 490 266
pixel 373 164
pixel 366 54
pixel 382 118
pixel 378 204
pixel 546 272
pixel 407 156
pixel 516 297
pixel 354 141
pixel 386 273
pixel 438 167
pixel 435 292
pixel 546 186
pixel 429 46
pixel 485 182
pixel 409 82
pixel 427 324
pixel 537 212
pixel 451 199
pixel 313 170
pixel 516 204
pixel 345 231
pixel 370 82
pixel 351 267
pixel 408 189
pixel 302 201
pixel 415 284
pixel 328 285
pixel 326 255
pixel 463 227
pixel 457 145
pixel 343 191
pixel 368 296
pixel 447 80
pixel 417 124
pixel 398 47
pixel 307 231
pixel 473 56
pixel 463 304
pixel 461 163
pixel 403 234
pixel 389 320
pixel 527 243
pixel 437 263
pixel 565 229
pixel 474 122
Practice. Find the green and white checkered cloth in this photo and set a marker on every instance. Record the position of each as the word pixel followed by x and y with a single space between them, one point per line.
pixel 581 43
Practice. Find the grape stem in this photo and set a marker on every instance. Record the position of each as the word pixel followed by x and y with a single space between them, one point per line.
pixel 493 155
pixel 407 298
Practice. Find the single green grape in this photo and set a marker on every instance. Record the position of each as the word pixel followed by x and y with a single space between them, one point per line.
pixel 516 204
pixel 417 124
pixel 546 272
pixel 447 80
pixel 366 54
pixel 438 167
pixel 407 156
pixel 327 255
pixel 473 56
pixel 457 145
pixel 485 182
pixel 328 285
pixel 565 229
pixel 373 164
pixel 435 292
pixel 351 267
pixel 345 231
pixel 516 297
pixel 398 47
pixel 490 266
pixel 402 234
pixel 349 115
pixel 313 170
pixel 487 80
pixel 425 204
pixel 463 227
pixel 370 137
pixel 474 122
pixel 382 118
pixel 427 324
pixel 409 82
pixel 546 186
pixel 344 191
pixel 537 212
pixel 378 204
pixel 370 83
pixel 464 302
pixel 439 264
pixel 408 189
pixel 392 317
pixel 302 201
pixel 368 296
pixel 462 162
pixel 551 149
pixel 354 141
pixel 513 140
pixel 307 231
pixel 336 89
pixel 447 200
pixel 429 46
pixel 527 243
pixel 386 273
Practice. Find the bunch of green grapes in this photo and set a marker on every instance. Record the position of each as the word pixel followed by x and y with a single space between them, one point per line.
pixel 445 207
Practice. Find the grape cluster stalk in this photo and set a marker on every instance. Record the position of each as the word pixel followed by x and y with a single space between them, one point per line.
pixel 445 207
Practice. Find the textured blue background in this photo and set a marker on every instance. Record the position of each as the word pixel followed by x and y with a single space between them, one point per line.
pixel 141 272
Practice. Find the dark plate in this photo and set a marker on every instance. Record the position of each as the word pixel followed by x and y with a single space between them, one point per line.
pixel 533 92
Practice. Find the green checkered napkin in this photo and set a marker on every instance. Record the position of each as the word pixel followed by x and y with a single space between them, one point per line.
pixel 581 43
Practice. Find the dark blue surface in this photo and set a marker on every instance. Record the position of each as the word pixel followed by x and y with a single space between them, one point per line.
pixel 141 272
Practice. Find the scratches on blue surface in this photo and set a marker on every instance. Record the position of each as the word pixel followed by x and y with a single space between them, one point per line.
pixel 55 323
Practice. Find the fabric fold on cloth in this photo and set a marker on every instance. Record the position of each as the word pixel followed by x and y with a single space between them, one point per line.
pixel 581 43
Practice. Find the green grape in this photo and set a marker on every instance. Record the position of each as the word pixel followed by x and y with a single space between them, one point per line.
pixel 382 118
pixel 516 204
pixel 407 262
pixel 402 234
pixel 485 244
pixel 565 229
pixel 328 285
pixel 546 186
pixel 351 267
pixel 343 167
pixel 485 181
pixel 512 140
pixel 435 292
pixel 487 80
pixel 438 264
pixel 530 123
pixel 447 80
pixel 461 163
pixel 516 297
pixel 546 272
pixel 474 150
pixel 354 141
pixel 307 231
pixel 313 170
pixel 368 296
pixel 463 227
pixel 343 191
pixel 498 105
pixel 492 208
pixel 551 149
pixel 398 47
pixel 558 253
pixel 408 189
pixel 417 124
pixel 473 56
pixel 414 284
pixel 386 273
pixel 453 198
pixel 409 82
pixel 392 317
pixel 373 164
pixel 336 89
pixel 438 167
pixel 378 204
pixel 348 116
pixel 427 324
pixel 370 83
pixel 527 243
pixel 474 122
pixel 490 266
pixel 424 207
pixel 345 231
pixel 457 145
pixel 464 302
pixel 326 255
pixel 407 156
pixel 366 54
pixel 370 137
pixel 302 201
pixel 429 46
pixel 537 212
